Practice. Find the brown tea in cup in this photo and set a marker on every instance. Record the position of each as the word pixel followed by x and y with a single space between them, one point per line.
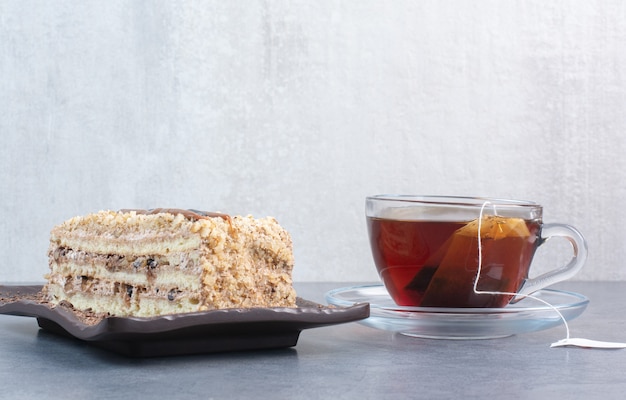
pixel 427 249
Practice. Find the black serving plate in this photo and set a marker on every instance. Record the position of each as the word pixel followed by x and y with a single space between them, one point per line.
pixel 179 334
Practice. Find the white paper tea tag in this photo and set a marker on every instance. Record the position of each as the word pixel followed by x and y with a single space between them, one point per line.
pixel 588 344
pixel 567 342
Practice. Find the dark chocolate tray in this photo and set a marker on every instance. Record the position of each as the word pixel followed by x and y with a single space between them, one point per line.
pixel 179 334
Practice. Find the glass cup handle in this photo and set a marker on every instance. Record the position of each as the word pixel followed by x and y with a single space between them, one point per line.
pixel 568 271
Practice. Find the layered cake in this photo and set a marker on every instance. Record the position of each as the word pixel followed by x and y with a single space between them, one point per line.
pixel 165 261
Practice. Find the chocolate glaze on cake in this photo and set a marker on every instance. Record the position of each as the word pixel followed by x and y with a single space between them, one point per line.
pixel 189 214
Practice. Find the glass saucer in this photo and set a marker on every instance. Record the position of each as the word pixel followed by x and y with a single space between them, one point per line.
pixel 527 315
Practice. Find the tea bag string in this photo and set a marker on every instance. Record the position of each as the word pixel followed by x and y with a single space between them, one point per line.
pixel 480 262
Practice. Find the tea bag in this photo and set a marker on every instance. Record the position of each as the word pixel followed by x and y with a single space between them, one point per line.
pixel 451 282
pixel 567 341
pixel 422 279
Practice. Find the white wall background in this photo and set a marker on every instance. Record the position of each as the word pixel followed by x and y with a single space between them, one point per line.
pixel 299 109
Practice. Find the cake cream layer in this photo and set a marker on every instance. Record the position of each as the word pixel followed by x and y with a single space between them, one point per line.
pixel 128 234
pixel 122 304
pixel 130 263
pixel 161 271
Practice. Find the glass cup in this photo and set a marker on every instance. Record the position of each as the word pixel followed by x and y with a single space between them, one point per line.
pixel 429 250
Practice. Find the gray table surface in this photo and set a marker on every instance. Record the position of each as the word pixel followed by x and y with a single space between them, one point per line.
pixel 343 361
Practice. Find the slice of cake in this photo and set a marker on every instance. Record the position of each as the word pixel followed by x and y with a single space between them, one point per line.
pixel 164 261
